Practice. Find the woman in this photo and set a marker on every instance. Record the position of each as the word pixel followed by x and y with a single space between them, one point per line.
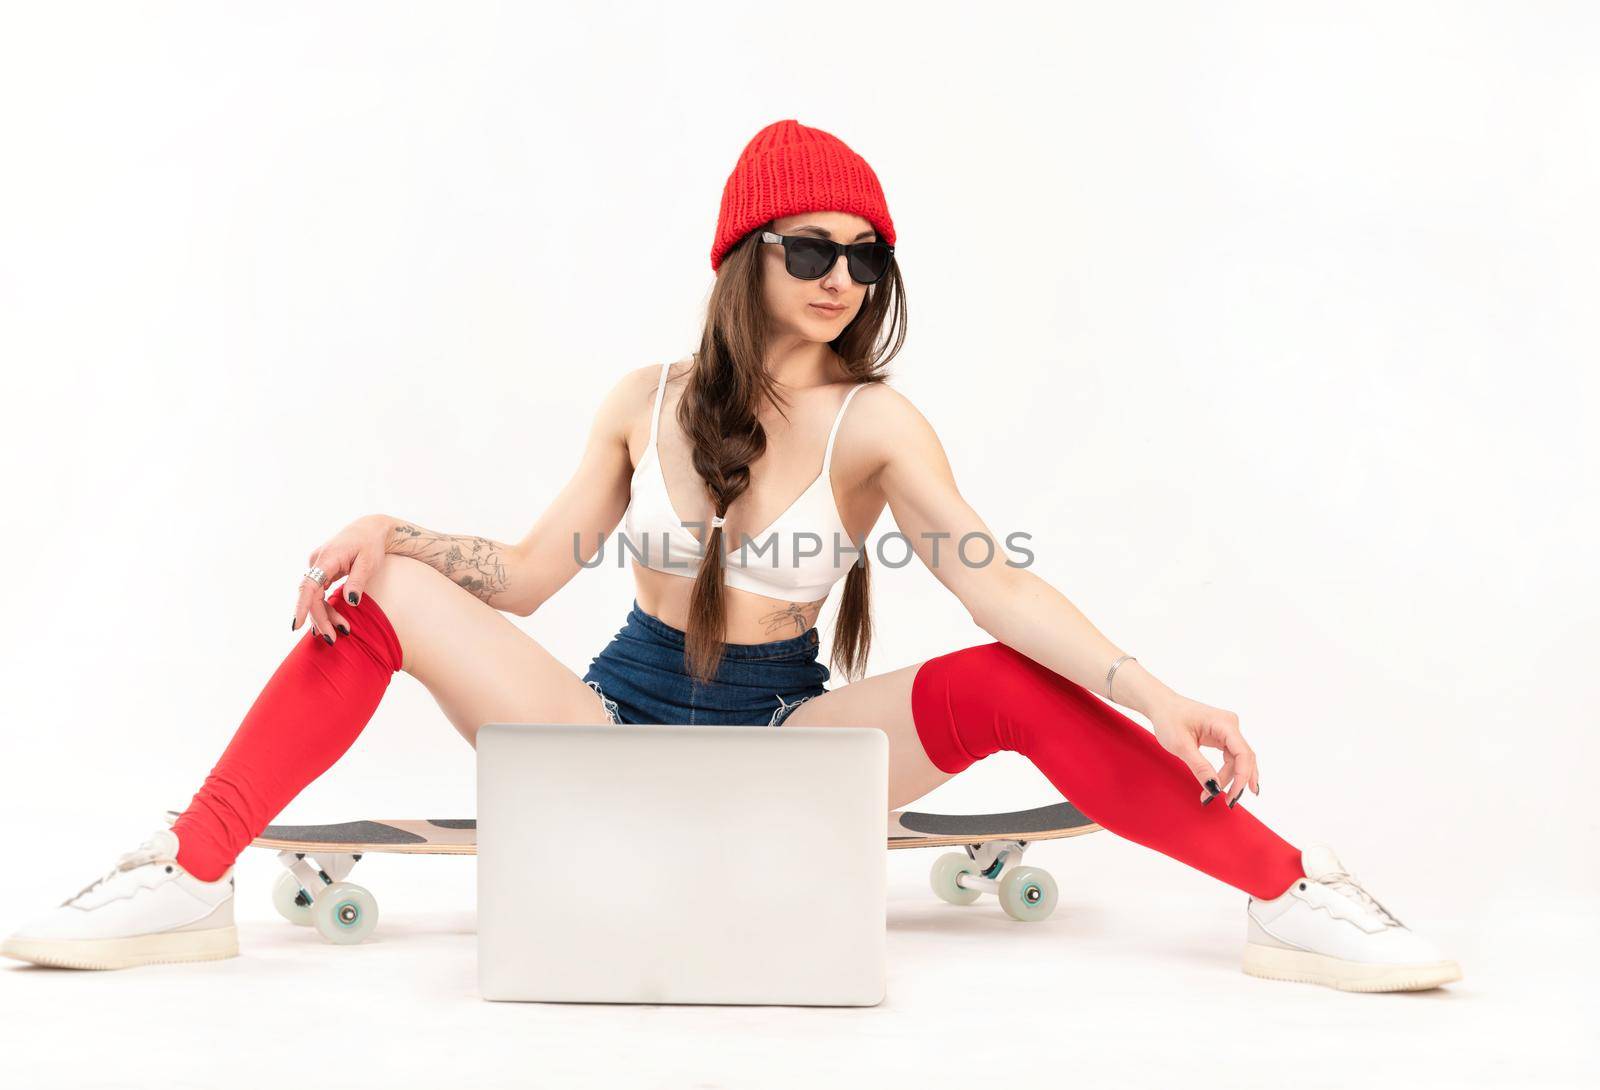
pixel 807 309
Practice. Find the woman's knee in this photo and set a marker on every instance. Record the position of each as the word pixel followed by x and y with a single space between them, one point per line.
pixel 407 591
pixel 951 705
pixel 976 701
pixel 399 577
pixel 982 679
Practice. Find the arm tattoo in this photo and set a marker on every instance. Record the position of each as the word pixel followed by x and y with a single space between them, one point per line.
pixel 796 617
pixel 474 563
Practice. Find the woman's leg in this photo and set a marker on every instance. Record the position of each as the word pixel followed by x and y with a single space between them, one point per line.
pixel 478 666
pixel 950 711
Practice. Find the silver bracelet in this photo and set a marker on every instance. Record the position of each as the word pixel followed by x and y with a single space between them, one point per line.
pixel 1111 672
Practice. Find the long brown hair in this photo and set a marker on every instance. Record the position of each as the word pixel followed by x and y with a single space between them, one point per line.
pixel 727 385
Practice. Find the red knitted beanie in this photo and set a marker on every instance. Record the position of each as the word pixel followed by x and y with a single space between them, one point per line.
pixel 789 168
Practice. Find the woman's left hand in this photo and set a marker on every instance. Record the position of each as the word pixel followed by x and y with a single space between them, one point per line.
pixel 1182 726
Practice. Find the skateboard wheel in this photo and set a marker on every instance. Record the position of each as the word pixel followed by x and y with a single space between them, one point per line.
pixel 285 892
pixel 1027 893
pixel 344 913
pixel 943 878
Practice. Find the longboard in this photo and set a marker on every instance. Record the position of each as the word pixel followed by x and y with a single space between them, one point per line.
pixel 317 894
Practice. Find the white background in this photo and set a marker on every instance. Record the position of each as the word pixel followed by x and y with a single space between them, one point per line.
pixel 1274 325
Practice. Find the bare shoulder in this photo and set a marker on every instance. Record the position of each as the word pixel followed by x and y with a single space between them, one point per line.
pixel 624 410
pixel 884 404
pixel 642 381
pixel 887 415
pixel 635 391
pixel 888 424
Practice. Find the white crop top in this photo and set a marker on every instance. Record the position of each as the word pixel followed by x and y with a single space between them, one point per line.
pixel 792 559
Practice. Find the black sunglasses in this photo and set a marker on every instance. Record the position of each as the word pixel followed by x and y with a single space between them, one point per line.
pixel 808 257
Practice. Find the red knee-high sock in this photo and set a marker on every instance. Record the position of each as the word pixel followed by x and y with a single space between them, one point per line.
pixel 971 703
pixel 311 711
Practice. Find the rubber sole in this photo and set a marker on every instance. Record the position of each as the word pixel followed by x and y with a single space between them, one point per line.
pixel 1350 976
pixel 164 947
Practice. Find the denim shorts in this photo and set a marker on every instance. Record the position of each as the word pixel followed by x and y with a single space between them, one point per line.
pixel 641 677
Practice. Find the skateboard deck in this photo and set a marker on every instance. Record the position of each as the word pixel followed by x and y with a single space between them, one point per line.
pixel 459 836
pixel 992 843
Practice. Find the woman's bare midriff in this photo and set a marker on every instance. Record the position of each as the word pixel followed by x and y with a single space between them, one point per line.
pixel 751 618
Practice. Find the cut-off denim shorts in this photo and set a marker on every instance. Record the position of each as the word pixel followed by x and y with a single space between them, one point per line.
pixel 641 677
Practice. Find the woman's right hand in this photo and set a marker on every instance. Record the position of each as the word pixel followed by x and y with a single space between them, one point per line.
pixel 357 549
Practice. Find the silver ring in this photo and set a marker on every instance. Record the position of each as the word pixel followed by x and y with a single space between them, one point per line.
pixel 317 576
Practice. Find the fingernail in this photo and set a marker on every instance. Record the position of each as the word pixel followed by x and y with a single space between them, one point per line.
pixel 1207 800
pixel 1233 801
pixel 343 631
pixel 293 625
pixel 328 638
pixel 1211 785
pixel 351 598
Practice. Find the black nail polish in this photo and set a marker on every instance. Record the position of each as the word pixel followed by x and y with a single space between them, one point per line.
pixel 1211 786
pixel 343 631
pixel 1207 800
pixel 293 625
pixel 350 597
pixel 1233 801
pixel 328 638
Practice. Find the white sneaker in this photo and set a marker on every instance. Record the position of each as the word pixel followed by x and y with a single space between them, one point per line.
pixel 1326 929
pixel 146 909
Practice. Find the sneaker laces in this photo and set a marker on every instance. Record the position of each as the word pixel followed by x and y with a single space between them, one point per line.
pixel 1345 882
pixel 147 852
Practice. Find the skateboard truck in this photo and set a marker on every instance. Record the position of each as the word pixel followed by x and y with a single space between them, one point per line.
pixel 991 856
pixel 316 893
pixel 1026 894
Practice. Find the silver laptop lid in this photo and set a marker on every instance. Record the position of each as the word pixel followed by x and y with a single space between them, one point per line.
pixel 682 864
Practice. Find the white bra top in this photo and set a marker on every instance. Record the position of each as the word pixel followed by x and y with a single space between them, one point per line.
pixel 793 559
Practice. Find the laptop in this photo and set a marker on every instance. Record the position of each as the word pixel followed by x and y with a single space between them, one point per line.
pixel 674 863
